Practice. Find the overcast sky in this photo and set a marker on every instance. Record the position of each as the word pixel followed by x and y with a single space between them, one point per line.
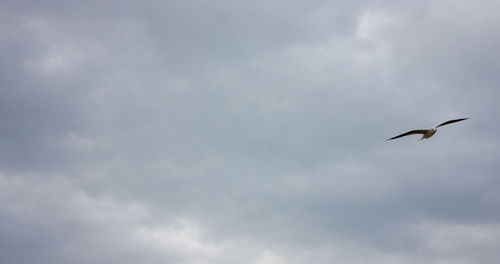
pixel 250 132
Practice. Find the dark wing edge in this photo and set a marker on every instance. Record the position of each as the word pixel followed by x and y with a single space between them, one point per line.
pixel 451 121
pixel 418 131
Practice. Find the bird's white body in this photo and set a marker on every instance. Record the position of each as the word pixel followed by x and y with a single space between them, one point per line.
pixel 429 133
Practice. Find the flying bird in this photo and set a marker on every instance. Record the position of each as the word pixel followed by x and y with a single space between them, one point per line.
pixel 427 133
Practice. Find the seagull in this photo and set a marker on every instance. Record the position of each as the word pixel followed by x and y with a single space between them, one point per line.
pixel 427 133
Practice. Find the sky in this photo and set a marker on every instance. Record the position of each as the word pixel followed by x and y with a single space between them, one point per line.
pixel 253 132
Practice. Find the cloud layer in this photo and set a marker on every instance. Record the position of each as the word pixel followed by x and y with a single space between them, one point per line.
pixel 248 132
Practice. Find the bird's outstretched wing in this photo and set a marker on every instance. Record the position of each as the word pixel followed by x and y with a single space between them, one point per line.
pixel 451 121
pixel 417 131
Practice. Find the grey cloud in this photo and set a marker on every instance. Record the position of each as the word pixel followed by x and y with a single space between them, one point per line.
pixel 261 125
